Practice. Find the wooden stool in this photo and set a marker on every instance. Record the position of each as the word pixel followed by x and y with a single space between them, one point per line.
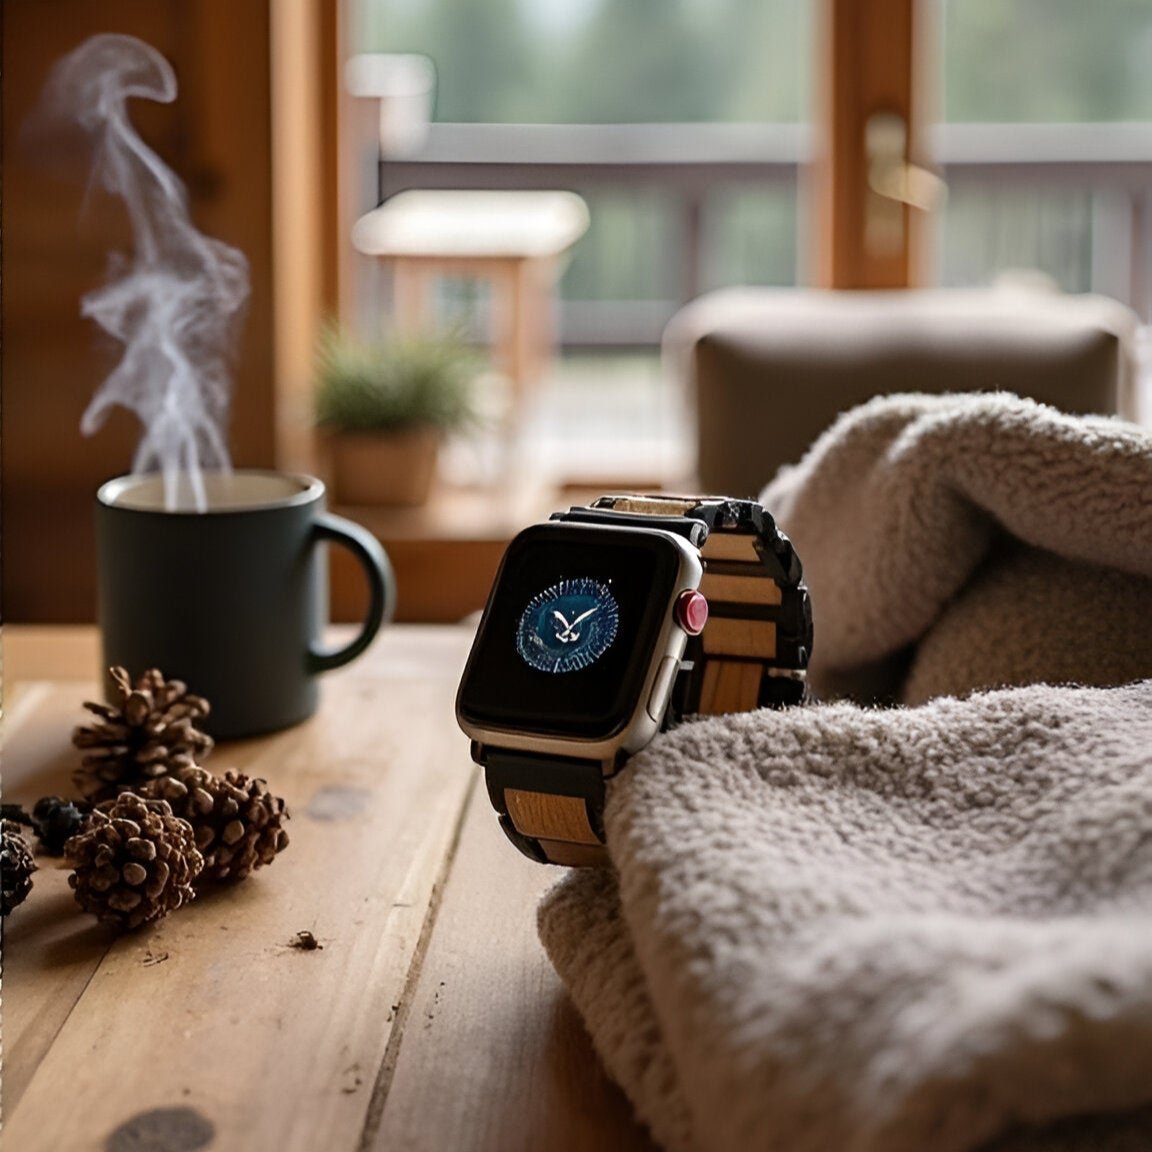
pixel 515 241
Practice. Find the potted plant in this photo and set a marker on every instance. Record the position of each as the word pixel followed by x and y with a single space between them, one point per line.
pixel 384 407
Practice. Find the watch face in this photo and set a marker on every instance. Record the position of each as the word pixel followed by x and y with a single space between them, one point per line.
pixel 566 640
pixel 568 626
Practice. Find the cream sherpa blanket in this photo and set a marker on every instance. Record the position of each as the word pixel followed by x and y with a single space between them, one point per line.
pixel 917 929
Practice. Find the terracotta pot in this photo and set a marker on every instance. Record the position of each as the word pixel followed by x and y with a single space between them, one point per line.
pixel 389 468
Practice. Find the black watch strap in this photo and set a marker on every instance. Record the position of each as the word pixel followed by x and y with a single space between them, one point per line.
pixel 550 807
pixel 753 653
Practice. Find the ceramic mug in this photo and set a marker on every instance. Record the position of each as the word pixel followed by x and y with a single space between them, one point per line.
pixel 233 600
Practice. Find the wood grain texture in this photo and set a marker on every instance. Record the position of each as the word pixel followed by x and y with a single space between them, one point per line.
pixel 730 686
pixel 428 1018
pixel 730 546
pixel 754 639
pixel 50 952
pixel 542 815
pixel 494 1057
pixel 741 589
pixel 214 1009
pixel 656 505
pixel 575 855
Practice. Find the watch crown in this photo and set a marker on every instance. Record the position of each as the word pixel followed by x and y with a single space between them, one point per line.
pixel 691 611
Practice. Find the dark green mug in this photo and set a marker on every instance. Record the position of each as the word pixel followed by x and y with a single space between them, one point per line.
pixel 233 600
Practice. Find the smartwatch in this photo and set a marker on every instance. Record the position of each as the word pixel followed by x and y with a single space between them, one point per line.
pixel 609 622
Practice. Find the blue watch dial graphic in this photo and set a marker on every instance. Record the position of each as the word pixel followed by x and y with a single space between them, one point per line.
pixel 568 626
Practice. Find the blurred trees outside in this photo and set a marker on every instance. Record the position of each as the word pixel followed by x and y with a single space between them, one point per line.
pixel 684 61
pixel 603 61
pixel 640 61
pixel 1055 61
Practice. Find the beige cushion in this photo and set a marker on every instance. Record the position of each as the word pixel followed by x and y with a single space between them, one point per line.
pixel 770 369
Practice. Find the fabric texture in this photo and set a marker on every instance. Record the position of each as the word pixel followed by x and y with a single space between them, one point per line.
pixel 960 542
pixel 850 928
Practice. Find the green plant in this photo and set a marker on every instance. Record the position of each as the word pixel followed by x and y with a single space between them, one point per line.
pixel 400 383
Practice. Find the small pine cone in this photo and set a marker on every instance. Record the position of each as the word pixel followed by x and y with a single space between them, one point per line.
pixel 16 867
pixel 238 823
pixel 149 730
pixel 133 861
pixel 56 820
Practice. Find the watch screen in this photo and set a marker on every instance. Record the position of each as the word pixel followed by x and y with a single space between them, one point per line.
pixel 566 639
pixel 568 626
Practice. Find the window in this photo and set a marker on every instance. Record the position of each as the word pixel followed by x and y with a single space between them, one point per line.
pixel 1046 107
pixel 687 155
pixel 685 124
pixel 680 122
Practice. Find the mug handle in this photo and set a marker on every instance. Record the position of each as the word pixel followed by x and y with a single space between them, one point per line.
pixel 381 584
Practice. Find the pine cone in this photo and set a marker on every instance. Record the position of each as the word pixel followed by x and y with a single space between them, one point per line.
pixel 149 730
pixel 134 861
pixel 237 822
pixel 55 821
pixel 16 867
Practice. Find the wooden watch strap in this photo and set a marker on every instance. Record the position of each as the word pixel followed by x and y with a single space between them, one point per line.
pixel 739 661
pixel 753 652
pixel 754 648
pixel 729 686
pixel 550 808
pixel 558 825
pixel 571 855
pixel 544 816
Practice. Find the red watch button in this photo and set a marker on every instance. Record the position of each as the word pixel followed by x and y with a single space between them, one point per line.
pixel 691 611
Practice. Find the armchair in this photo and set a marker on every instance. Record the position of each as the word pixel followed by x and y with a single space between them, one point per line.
pixel 770 369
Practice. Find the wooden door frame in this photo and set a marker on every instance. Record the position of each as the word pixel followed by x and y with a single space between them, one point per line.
pixel 306 47
pixel 872 56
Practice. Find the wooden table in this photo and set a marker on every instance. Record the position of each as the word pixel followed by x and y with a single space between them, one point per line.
pixel 428 1019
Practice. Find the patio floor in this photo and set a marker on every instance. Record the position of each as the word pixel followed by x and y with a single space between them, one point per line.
pixel 599 418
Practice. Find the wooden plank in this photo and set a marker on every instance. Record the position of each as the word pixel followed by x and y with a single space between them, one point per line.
pixel 494 1056
pixel 50 952
pixel 213 1010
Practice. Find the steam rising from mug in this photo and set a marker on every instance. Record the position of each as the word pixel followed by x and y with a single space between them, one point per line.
pixel 177 303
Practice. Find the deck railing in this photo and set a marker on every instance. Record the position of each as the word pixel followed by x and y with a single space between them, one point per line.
pixel 1109 166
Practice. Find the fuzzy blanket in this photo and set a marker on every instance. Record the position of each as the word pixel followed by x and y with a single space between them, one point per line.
pixel 846 928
